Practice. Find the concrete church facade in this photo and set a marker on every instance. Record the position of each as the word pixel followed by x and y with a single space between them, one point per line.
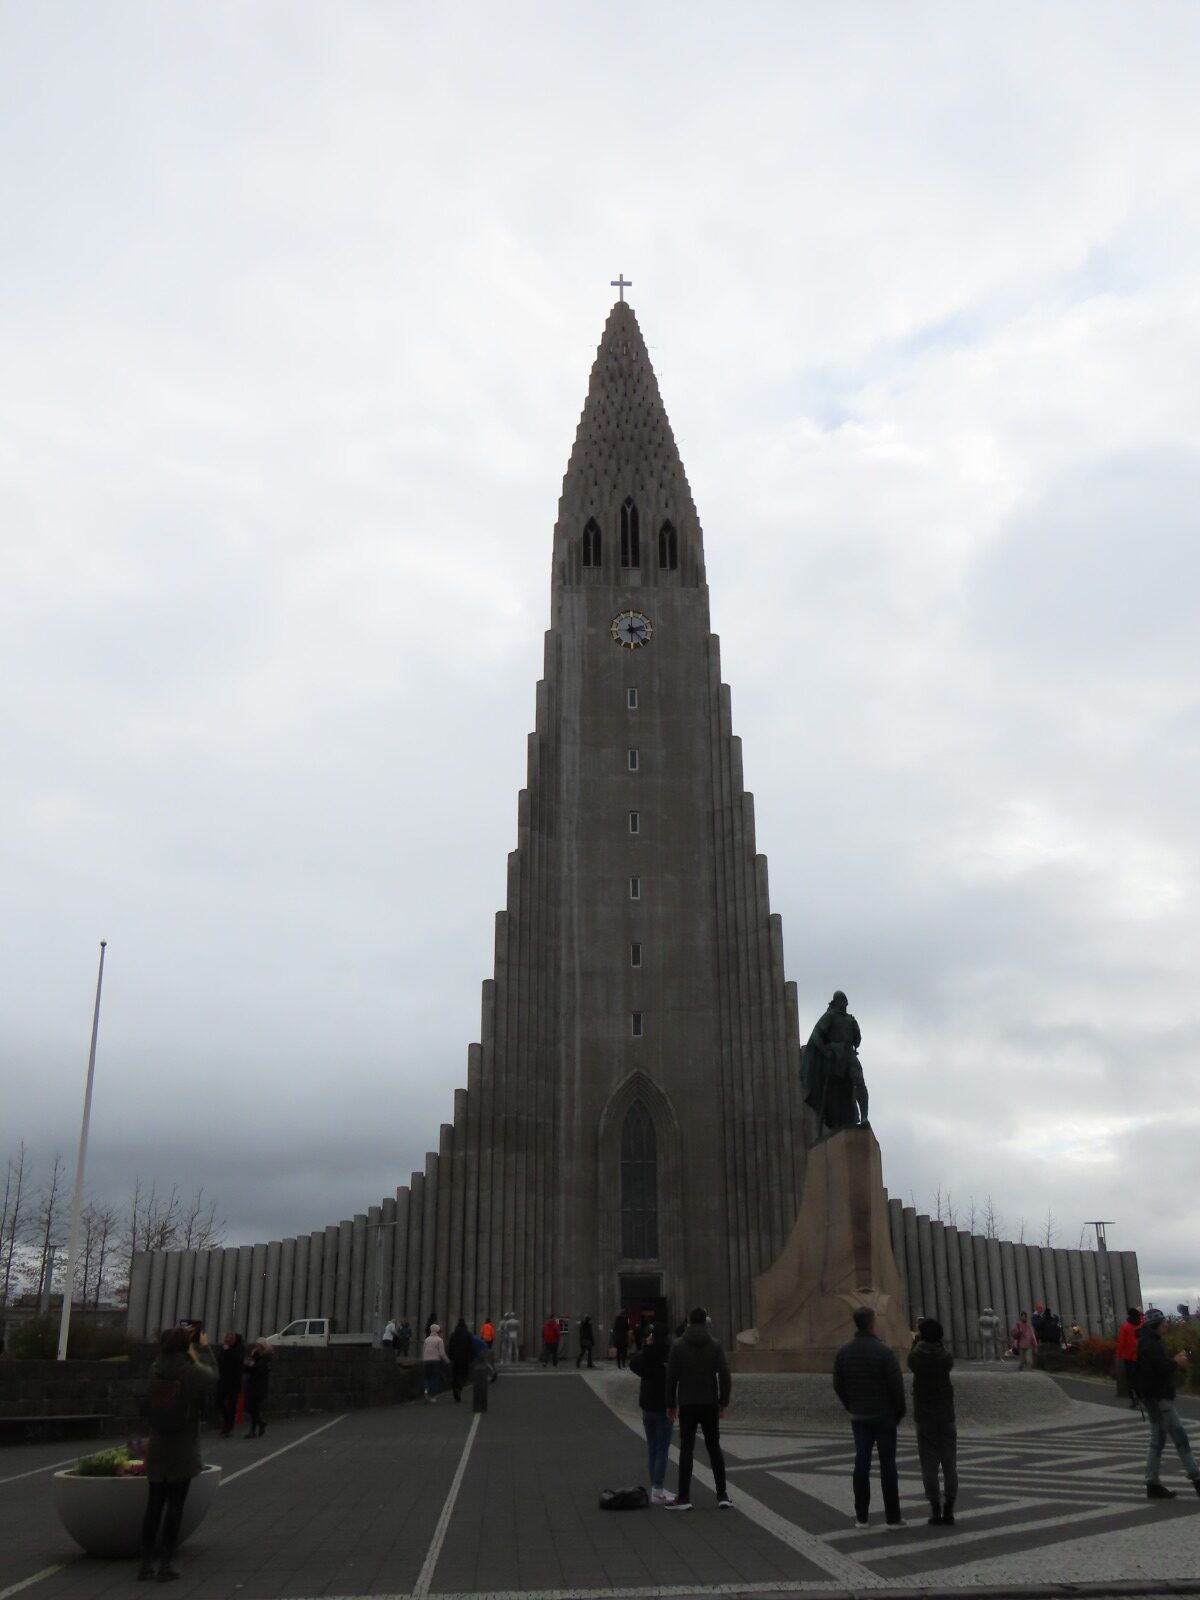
pixel 632 1129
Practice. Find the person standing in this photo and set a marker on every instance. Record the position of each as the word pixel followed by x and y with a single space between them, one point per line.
pixel 933 1412
pixel 433 1354
pixel 1126 1356
pixel 257 1370
pixel 181 1381
pixel 461 1351
pixel 389 1335
pixel 698 1386
pixel 1154 1377
pixel 620 1337
pixel 587 1341
pixel 650 1365
pixel 404 1338
pixel 868 1382
pixel 989 1335
pixel 1024 1341
pixel 551 1333
pixel 487 1333
pixel 230 1361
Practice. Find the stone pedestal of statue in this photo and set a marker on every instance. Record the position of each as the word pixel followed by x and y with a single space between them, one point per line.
pixel 839 1256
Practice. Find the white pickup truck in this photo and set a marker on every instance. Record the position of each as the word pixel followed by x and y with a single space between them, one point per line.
pixel 316 1333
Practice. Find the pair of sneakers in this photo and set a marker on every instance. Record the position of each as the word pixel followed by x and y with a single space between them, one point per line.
pixel 674 1503
pixel 888 1527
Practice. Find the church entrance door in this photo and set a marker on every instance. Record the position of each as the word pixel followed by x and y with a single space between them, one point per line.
pixel 642 1297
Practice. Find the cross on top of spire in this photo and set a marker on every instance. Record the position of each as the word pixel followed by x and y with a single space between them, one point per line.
pixel 621 283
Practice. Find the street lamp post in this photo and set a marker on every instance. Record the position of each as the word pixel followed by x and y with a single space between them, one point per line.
pixel 64 1324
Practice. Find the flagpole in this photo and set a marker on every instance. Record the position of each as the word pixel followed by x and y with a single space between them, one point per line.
pixel 64 1325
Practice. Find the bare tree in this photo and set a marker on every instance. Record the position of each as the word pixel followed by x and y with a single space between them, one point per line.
pixel 951 1214
pixel 993 1222
pixel 199 1227
pixel 937 1204
pixel 972 1214
pixel 1050 1231
pixel 107 1220
pixel 1083 1238
pixel 47 1221
pixel 15 1199
pixel 1021 1234
pixel 99 1227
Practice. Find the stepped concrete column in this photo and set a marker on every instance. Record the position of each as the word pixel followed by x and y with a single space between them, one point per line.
pixel 212 1297
pixel 896 1228
pixel 229 1270
pixel 136 1320
pixel 1024 1284
pixel 154 1299
pixel 316 1268
pixel 258 1279
pixel 183 1289
pixel 941 1276
pixel 356 1321
pixel 1133 1282
pixel 971 1306
pixel 270 1302
pixel 928 1277
pixel 1116 1278
pixel 329 1270
pixel 1079 1295
pixel 1008 1273
pixel 341 1284
pixel 170 1294
pixel 912 1256
pixel 1091 1292
pixel 245 1264
pixel 959 1332
pixel 299 1301
pixel 199 1294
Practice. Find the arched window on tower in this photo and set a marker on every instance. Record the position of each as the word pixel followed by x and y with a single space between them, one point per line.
pixel 639 1185
pixel 668 547
pixel 631 552
pixel 591 543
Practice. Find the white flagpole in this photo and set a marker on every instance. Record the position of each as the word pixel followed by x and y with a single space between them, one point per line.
pixel 64 1325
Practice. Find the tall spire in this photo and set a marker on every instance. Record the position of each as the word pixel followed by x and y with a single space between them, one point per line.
pixel 624 445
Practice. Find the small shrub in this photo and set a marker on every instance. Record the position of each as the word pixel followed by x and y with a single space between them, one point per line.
pixel 1096 1355
pixel 119 1462
pixel 35 1340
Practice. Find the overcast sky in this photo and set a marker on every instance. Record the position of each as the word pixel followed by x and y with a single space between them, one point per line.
pixel 299 305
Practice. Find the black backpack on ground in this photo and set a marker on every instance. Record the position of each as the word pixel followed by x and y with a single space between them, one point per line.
pixel 624 1499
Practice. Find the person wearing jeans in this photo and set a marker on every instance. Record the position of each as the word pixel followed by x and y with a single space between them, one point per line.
pixel 1154 1378
pixel 650 1365
pixel 868 1382
pixel 698 1386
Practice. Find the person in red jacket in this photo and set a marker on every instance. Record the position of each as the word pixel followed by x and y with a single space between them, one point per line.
pixel 1126 1356
pixel 550 1340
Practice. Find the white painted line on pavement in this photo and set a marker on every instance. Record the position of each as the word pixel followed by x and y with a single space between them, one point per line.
pixel 425 1576
pixel 53 1467
pixel 968 1535
pixel 850 1573
pixel 657 1591
pixel 275 1454
pixel 46 1572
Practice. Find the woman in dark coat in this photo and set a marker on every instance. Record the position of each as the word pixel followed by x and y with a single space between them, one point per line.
pixel 230 1361
pixel 181 1385
pixel 460 1348
pixel 257 1368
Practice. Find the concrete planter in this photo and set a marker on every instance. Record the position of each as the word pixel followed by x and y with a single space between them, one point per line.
pixel 104 1515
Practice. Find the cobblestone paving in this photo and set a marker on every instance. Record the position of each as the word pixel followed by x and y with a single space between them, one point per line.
pixel 428 1501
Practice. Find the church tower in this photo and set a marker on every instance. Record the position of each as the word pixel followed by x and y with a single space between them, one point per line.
pixel 640 1039
pixel 631 1131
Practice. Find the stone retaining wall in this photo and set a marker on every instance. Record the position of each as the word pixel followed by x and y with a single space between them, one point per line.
pixel 341 1378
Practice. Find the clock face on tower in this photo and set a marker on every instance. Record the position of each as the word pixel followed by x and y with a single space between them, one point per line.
pixel 631 629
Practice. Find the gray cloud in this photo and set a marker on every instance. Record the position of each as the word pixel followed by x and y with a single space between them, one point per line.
pixel 303 306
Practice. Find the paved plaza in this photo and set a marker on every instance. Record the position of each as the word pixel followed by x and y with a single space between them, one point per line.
pixel 431 1501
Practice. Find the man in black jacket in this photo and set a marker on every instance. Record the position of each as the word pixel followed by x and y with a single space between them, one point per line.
pixel 867 1380
pixel 933 1412
pixel 1154 1378
pixel 698 1386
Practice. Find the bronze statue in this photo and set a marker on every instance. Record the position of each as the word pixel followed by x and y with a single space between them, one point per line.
pixel 831 1075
